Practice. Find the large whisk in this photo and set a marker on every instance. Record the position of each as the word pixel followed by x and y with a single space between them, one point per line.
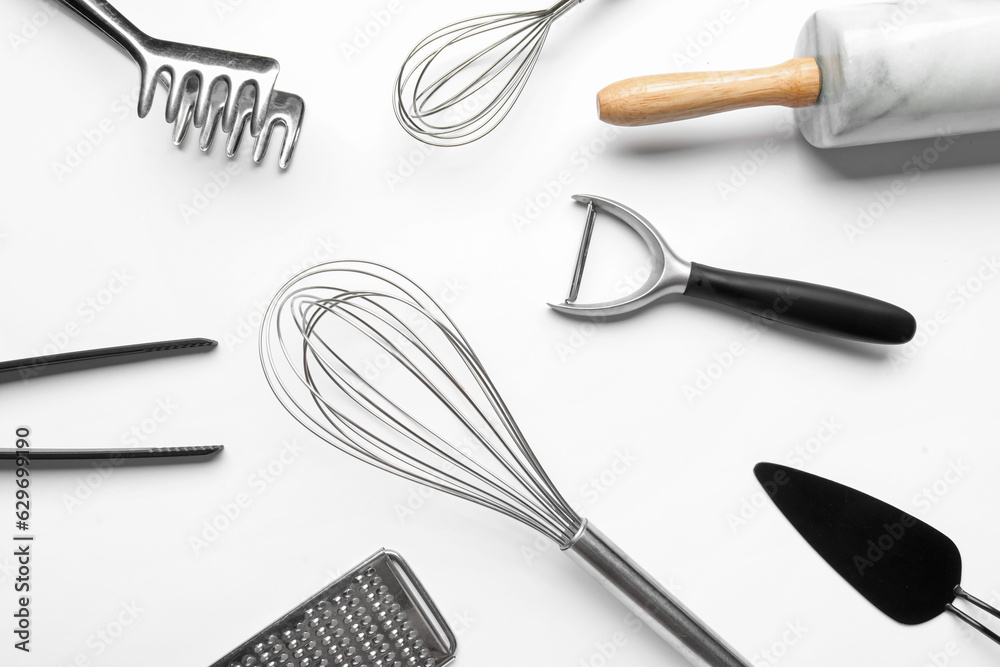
pixel 461 81
pixel 370 363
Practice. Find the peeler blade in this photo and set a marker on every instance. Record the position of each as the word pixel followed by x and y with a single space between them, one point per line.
pixel 668 274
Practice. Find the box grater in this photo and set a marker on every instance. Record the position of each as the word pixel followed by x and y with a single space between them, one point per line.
pixel 379 615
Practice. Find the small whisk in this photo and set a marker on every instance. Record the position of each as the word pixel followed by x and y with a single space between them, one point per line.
pixel 461 81
pixel 355 351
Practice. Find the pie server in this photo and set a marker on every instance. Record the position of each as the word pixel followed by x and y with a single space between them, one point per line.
pixel 910 571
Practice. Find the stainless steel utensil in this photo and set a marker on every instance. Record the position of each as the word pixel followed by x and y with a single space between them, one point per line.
pixel 812 307
pixel 910 571
pixel 355 351
pixel 379 614
pixel 196 451
pixel 197 76
pixel 50 364
pixel 285 109
pixel 445 98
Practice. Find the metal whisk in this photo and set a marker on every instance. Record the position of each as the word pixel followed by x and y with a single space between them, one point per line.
pixel 369 362
pixel 461 81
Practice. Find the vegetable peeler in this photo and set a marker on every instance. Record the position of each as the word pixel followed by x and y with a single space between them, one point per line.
pixel 826 310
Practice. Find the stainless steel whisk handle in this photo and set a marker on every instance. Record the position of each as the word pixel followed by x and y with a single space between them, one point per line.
pixel 648 600
pixel 112 23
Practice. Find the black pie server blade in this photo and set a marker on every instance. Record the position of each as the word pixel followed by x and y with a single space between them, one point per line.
pixel 907 569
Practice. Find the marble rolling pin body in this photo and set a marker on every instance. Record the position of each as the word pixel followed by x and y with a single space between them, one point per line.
pixel 863 74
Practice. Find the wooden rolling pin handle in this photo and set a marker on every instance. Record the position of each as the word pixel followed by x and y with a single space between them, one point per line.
pixel 647 100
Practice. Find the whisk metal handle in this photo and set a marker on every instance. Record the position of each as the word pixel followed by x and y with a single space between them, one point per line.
pixel 646 598
pixel 112 23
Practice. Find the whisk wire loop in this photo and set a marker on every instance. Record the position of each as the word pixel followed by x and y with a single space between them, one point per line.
pixel 446 99
pixel 481 81
pixel 332 392
pixel 352 431
pixel 364 397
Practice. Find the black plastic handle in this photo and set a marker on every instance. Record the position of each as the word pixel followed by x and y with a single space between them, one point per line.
pixel 817 308
pixel 32 367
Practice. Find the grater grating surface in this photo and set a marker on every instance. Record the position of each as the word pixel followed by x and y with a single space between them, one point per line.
pixel 376 616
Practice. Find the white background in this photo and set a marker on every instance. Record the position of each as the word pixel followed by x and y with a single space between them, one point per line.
pixel 584 395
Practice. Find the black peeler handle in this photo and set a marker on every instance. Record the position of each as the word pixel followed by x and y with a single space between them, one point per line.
pixel 817 308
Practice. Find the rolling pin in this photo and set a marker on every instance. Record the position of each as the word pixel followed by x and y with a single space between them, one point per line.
pixel 862 74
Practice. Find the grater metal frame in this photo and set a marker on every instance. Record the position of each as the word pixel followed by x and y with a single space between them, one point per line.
pixel 419 607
